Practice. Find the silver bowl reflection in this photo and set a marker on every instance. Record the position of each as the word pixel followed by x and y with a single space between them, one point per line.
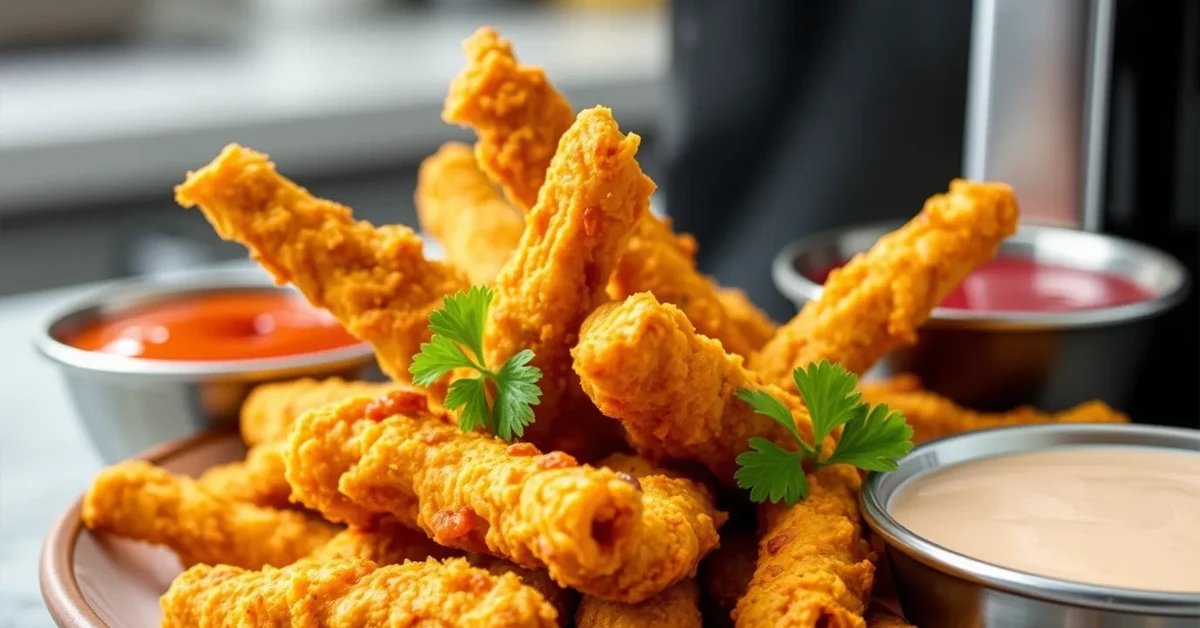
pixel 938 587
pixel 129 404
pixel 999 360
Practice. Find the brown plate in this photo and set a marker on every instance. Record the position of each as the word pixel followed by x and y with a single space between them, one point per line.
pixel 101 581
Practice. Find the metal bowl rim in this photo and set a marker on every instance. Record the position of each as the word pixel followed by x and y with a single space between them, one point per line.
pixel 181 284
pixel 1025 584
pixel 796 286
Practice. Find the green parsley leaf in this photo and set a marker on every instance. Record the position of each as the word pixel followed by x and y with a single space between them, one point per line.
pixel 771 472
pixel 874 439
pixel 766 405
pixel 828 391
pixel 460 324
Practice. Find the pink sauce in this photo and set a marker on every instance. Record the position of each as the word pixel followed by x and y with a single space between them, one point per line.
pixel 1017 284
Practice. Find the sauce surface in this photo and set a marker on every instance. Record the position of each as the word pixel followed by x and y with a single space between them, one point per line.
pixel 1018 284
pixel 1106 515
pixel 240 325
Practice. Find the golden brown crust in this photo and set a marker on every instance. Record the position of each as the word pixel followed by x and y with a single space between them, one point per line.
pixel 259 479
pixel 140 501
pixel 387 542
pixel 677 607
pixel 375 280
pixel 876 302
pixel 270 409
pixel 563 600
pixel 353 594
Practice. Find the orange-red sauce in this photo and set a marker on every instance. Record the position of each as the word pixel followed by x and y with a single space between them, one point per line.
pixel 219 326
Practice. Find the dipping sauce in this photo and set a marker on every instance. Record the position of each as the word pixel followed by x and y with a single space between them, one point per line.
pixel 1114 516
pixel 240 325
pixel 1018 284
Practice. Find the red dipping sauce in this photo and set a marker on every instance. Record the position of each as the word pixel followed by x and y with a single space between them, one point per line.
pixel 222 326
pixel 1018 284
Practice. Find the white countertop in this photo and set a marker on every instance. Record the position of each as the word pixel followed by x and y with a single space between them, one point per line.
pixel 81 125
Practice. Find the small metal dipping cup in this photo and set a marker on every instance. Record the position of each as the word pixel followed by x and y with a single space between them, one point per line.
pixel 1000 360
pixel 129 404
pixel 939 587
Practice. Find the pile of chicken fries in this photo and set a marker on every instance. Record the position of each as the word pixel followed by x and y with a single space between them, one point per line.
pixel 364 504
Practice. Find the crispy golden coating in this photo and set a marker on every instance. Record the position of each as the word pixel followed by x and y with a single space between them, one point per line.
pixel 814 567
pixel 353 594
pixel 517 114
pixel 270 409
pixel 387 542
pixel 562 599
pixel 353 462
pixel 643 363
pixel 933 416
pixel 677 607
pixel 459 205
pixel 375 280
pixel 878 617
pixel 259 479
pixel 754 324
pixel 594 193
pixel 725 574
pixel 876 302
pixel 140 501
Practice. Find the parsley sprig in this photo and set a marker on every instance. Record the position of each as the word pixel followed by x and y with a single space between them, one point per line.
pixel 457 342
pixel 873 437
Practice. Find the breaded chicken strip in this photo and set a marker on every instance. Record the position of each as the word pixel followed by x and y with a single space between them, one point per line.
pixel 814 567
pixel 360 459
pixel 140 501
pixel 259 479
pixel 519 118
pixel 564 600
pixel 270 409
pixel 353 594
pixel 677 607
pixel 679 526
pixel 725 575
pixel 594 194
pixel 517 114
pixel 459 205
pixel 375 280
pixel 754 324
pixel 933 416
pixel 876 302
pixel 643 363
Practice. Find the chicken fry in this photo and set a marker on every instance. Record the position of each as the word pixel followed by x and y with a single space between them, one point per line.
pixel 270 409
pixel 643 363
pixel 677 607
pixel 458 205
pixel 375 280
pixel 594 194
pixel 876 302
pixel 814 567
pixel 933 416
pixel 563 600
pixel 259 479
pixel 140 501
pixel 353 593
pixel 359 459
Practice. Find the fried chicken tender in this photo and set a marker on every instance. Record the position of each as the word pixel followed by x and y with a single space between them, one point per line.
pixel 814 567
pixel 933 416
pixel 375 280
pixel 677 607
pixel 353 594
pixel 878 617
pixel 725 575
pixel 594 194
pixel 876 302
pixel 674 390
pixel 259 479
pixel 359 459
pixel 140 501
pixel 517 114
pixel 386 542
pixel 753 324
pixel 270 409
pixel 459 205
pixel 562 599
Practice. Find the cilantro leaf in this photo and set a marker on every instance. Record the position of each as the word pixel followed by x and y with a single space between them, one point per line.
pixel 771 472
pixel 462 318
pixel 828 391
pixel 516 393
pixel 873 439
pixel 766 405
pixel 437 357
pixel 470 395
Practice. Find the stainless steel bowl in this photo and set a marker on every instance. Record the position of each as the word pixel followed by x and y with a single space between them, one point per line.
pixel 938 587
pixel 999 360
pixel 129 404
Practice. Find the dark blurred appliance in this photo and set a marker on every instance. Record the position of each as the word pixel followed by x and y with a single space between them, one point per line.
pixel 793 116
